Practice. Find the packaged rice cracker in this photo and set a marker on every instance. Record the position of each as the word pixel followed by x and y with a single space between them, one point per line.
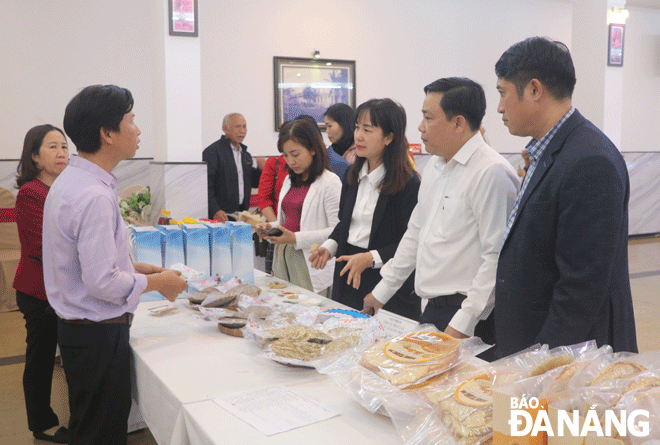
pixel 412 360
pixel 457 409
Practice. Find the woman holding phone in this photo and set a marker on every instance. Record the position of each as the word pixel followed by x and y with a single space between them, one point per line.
pixel 378 196
pixel 307 208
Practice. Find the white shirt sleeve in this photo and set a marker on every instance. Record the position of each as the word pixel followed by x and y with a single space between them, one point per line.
pixel 378 261
pixel 331 246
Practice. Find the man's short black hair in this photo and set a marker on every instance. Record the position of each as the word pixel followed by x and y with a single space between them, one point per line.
pixel 539 58
pixel 460 97
pixel 95 107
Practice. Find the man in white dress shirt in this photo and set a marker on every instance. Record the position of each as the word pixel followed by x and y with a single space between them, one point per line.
pixel 455 232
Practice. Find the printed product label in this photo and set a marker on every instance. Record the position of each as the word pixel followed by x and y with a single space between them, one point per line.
pixel 420 347
pixel 477 391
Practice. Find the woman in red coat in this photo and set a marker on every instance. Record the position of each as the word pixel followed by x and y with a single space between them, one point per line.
pixel 270 184
pixel 45 155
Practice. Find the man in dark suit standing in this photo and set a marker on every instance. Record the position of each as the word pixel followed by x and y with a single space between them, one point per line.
pixel 562 275
pixel 230 170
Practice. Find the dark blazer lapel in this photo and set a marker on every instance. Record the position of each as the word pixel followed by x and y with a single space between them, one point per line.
pixel 379 213
pixel 247 174
pixel 349 205
pixel 229 166
pixel 548 157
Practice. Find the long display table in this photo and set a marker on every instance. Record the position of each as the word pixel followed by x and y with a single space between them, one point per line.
pixel 182 362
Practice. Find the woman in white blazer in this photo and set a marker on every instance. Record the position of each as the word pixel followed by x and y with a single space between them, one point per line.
pixel 308 207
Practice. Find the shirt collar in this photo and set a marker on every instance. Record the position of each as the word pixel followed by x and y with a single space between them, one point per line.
pixel 84 164
pixel 240 146
pixel 464 154
pixel 467 150
pixel 376 175
pixel 536 148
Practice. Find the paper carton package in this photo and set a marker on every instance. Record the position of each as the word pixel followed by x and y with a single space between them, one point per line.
pixel 196 247
pixel 220 245
pixel 172 240
pixel 146 245
pixel 242 248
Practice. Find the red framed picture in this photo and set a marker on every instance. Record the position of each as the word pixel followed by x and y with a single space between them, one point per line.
pixel 615 45
pixel 183 18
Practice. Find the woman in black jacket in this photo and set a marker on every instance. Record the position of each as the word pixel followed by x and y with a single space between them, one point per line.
pixel 378 196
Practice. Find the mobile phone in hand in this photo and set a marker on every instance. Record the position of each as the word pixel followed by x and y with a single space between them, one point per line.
pixel 274 232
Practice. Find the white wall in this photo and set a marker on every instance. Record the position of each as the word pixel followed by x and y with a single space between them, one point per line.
pixel 399 47
pixel 641 81
pixel 588 53
pixel 50 50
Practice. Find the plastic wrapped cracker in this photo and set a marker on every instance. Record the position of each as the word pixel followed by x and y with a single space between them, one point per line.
pixel 421 357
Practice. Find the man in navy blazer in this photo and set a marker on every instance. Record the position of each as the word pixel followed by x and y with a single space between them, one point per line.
pixel 562 275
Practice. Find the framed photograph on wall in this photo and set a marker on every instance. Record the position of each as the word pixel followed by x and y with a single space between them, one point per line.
pixel 183 18
pixel 615 45
pixel 310 86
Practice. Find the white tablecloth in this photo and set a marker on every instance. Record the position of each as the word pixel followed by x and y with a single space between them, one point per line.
pixel 183 362
pixel 208 423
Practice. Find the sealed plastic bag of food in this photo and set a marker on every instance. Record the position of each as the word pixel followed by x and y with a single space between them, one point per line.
pixel 646 431
pixel 280 317
pixel 598 404
pixel 459 408
pixel 556 380
pixel 329 340
pixel 412 359
pixel 590 404
pixel 622 365
pixel 408 361
pixel 297 335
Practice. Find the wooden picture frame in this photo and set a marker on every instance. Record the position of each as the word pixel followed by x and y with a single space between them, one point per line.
pixel 310 86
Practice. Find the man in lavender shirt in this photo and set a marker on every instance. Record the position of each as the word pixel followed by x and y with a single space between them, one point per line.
pixel 90 279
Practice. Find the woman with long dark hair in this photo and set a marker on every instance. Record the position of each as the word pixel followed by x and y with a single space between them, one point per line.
pixel 45 155
pixel 307 208
pixel 339 125
pixel 377 199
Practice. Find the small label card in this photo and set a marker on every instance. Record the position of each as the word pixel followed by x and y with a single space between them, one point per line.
pixel 395 324
pixel 275 409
